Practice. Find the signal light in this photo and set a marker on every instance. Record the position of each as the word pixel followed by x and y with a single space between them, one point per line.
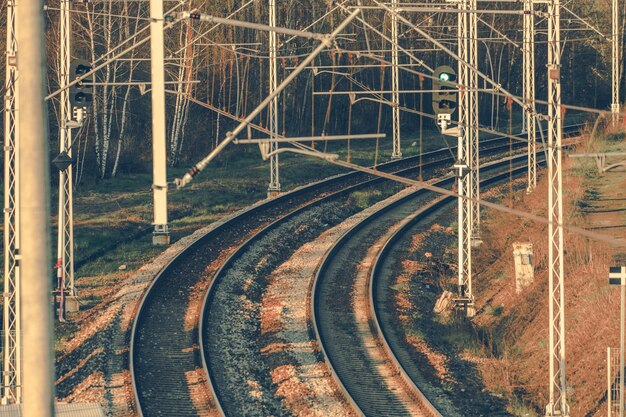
pixel 444 102
pixel 81 93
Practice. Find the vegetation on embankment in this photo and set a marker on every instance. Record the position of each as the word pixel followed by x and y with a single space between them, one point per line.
pixel 513 328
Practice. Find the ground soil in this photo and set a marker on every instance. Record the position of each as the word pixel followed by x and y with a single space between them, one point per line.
pixel 514 327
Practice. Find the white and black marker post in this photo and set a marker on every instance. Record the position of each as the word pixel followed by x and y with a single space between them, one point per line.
pixel 617 276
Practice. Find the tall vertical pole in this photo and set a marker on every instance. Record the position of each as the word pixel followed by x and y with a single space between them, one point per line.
pixel 65 246
pixel 35 268
pixel 622 320
pixel 161 232
pixel 609 383
pixel 12 373
pixel 615 59
pixel 274 186
pixel 395 95
pixel 529 92
pixel 474 154
pixel 558 390
pixel 464 154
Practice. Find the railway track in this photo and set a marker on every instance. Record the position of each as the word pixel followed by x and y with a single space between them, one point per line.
pixel 165 358
pixel 375 374
pixel 229 368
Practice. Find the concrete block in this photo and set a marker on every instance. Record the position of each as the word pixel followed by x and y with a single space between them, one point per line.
pixel 524 265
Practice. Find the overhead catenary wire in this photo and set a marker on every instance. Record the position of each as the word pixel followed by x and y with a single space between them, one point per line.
pixel 325 43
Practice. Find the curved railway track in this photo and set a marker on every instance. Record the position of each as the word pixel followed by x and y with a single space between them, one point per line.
pixel 374 373
pixel 230 372
pixel 165 360
pixel 163 349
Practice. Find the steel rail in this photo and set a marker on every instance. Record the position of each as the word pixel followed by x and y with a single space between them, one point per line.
pixel 384 329
pixel 218 276
pixel 340 244
pixel 232 221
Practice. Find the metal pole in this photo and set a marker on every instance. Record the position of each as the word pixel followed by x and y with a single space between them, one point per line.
pixel 65 242
pixel 529 92
pixel 609 391
pixel 460 215
pixel 465 206
pixel 274 186
pixel 161 234
pixel 12 372
pixel 558 388
pixel 615 60
pixel 38 364
pixel 474 155
pixel 395 96
pixel 621 348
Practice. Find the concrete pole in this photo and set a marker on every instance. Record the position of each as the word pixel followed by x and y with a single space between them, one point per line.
pixel 161 234
pixel 38 365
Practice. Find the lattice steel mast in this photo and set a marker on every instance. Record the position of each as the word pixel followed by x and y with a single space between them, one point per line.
pixel 395 79
pixel 529 92
pixel 474 155
pixel 558 389
pixel 12 373
pixel 274 186
pixel 615 55
pixel 65 242
pixel 464 155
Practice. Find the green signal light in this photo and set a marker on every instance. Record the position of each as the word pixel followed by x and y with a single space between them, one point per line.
pixel 444 76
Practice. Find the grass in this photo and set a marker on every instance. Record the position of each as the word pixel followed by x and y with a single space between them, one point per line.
pixel 519 409
pixel 109 211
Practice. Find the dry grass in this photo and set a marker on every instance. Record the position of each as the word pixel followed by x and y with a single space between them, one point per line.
pixel 517 366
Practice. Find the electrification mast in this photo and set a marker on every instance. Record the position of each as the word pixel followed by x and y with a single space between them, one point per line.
pixel 274 186
pixel 397 150
pixel 466 298
pixel 38 382
pixel 161 234
pixel 65 242
pixel 529 92
pixel 615 60
pixel 558 389
pixel 11 371
pixel 474 155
